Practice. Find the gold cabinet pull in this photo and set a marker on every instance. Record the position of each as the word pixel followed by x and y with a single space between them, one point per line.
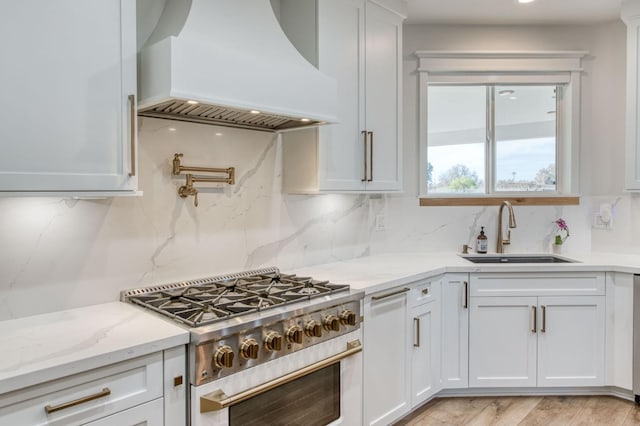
pixel 465 302
pixel 535 319
pixel 393 293
pixel 132 135
pixel 364 155
pixel 416 341
pixel 370 156
pixel 53 408
pixel 544 319
pixel 218 400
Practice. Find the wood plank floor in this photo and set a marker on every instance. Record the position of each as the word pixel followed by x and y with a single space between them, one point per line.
pixel 526 411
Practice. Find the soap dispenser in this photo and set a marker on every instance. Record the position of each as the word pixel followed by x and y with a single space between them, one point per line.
pixel 482 243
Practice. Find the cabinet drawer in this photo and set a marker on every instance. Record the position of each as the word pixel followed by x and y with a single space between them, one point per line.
pixel 424 292
pixel 85 396
pixel 149 414
pixel 538 284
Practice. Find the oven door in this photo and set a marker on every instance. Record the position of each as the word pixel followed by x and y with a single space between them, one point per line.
pixel 320 385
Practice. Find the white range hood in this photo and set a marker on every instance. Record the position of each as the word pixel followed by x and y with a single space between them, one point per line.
pixel 228 62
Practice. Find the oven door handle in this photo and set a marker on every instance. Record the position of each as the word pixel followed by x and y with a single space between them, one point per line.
pixel 218 400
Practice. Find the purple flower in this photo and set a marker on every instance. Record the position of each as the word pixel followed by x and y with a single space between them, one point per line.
pixel 562 224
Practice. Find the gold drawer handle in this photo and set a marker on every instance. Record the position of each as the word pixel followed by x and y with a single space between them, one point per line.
pixel 384 296
pixel 53 408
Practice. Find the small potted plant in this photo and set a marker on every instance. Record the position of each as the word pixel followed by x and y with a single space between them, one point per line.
pixel 562 233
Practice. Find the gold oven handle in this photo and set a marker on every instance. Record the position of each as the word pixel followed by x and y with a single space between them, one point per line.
pixel 53 408
pixel 218 400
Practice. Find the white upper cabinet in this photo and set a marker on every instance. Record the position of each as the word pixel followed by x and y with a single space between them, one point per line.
pixel 67 122
pixel 359 43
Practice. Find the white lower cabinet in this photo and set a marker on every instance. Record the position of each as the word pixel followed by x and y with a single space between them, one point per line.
pixel 619 330
pixel 455 331
pixel 127 393
pixel 149 414
pixel 401 350
pixel 386 394
pixel 571 341
pixel 553 335
pixel 425 356
pixel 502 345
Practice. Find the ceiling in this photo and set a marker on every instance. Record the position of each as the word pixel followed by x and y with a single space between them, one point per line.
pixel 510 12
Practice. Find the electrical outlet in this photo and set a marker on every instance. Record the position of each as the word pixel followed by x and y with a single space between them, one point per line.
pixel 604 218
pixel 379 223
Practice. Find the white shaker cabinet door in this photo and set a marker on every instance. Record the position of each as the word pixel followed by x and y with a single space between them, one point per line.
pixel 455 331
pixel 386 394
pixel 68 68
pixel 425 362
pixel 502 342
pixel 571 341
pixel 383 100
pixel 341 56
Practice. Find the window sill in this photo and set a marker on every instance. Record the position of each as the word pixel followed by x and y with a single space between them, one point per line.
pixel 556 200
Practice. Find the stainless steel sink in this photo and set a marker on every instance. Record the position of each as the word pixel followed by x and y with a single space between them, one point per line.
pixel 518 259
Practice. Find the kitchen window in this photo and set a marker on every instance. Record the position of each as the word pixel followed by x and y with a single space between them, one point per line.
pixel 497 126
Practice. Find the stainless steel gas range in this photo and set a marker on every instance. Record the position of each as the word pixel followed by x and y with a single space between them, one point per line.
pixel 267 348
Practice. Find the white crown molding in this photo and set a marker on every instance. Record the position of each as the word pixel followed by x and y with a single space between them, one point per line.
pixel 446 61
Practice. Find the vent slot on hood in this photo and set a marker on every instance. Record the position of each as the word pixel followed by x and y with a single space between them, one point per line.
pixel 224 116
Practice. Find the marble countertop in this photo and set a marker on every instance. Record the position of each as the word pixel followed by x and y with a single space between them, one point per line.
pixel 385 271
pixel 45 347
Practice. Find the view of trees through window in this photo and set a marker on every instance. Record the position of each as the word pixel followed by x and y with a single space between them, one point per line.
pixel 517 144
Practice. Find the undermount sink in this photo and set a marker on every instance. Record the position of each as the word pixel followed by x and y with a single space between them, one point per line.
pixel 518 259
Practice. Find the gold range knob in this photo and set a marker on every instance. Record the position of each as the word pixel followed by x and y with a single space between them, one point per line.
pixel 273 341
pixel 294 334
pixel 313 329
pixel 347 317
pixel 223 357
pixel 249 349
pixel 331 323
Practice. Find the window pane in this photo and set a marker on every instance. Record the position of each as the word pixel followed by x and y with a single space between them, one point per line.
pixel 525 129
pixel 456 139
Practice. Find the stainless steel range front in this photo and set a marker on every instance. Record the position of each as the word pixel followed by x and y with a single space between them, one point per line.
pixel 255 332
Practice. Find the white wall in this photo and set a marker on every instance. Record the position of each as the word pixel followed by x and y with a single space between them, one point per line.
pixel 602 153
pixel 57 254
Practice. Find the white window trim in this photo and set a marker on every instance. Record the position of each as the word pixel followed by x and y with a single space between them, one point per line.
pixel 509 67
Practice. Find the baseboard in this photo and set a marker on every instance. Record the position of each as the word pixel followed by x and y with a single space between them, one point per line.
pixel 600 390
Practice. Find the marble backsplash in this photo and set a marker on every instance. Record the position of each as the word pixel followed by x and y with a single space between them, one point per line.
pixel 63 253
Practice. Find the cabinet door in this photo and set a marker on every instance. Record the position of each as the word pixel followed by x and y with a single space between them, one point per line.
pixel 341 56
pixel 571 341
pixel 425 361
pixel 386 342
pixel 455 331
pixel 149 414
pixel 383 43
pixel 502 341
pixel 67 69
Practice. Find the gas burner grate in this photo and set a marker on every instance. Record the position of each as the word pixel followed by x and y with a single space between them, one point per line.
pixel 205 301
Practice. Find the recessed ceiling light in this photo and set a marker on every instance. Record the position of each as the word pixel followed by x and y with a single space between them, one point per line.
pixel 254 112
pixel 218 134
pixel 525 1
pixel 506 92
pixel 513 98
pixel 172 129
pixel 193 102
pixel 306 120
